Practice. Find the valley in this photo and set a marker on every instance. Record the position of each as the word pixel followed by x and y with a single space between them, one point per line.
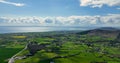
pixel 92 46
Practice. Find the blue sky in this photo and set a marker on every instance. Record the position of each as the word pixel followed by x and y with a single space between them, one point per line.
pixel 53 8
pixel 60 8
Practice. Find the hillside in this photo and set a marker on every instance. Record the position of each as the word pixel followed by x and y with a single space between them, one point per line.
pixel 92 46
pixel 104 31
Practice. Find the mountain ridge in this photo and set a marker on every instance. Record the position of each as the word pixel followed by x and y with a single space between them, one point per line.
pixel 103 31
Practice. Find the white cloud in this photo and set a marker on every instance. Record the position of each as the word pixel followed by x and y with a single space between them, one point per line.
pixel 111 20
pixel 99 3
pixel 12 3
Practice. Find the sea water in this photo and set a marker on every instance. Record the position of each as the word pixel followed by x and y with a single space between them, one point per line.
pixel 17 29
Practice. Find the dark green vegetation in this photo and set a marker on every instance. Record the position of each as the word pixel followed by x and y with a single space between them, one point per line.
pixel 93 46
pixel 9 46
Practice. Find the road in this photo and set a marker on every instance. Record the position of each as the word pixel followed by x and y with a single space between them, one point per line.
pixel 12 59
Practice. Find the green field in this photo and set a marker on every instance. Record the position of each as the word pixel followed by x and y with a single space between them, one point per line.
pixel 6 53
pixel 62 48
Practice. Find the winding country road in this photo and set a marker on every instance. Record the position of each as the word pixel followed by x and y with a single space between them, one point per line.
pixel 12 59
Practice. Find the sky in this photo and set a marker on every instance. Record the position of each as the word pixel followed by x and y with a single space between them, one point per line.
pixel 60 13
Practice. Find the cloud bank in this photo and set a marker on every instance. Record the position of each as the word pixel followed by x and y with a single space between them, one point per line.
pixel 108 20
pixel 12 3
pixel 99 3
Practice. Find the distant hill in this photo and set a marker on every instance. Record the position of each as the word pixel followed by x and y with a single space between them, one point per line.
pixel 108 28
pixel 103 31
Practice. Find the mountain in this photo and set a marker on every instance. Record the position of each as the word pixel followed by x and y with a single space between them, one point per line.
pixel 108 28
pixel 103 31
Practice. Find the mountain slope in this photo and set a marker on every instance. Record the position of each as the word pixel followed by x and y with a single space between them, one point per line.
pixel 104 31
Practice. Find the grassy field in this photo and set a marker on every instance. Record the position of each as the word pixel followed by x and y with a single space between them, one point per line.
pixel 10 47
pixel 6 53
pixel 19 37
pixel 62 48
pixel 74 53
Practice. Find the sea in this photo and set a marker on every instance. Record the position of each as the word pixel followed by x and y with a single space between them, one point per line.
pixel 22 29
